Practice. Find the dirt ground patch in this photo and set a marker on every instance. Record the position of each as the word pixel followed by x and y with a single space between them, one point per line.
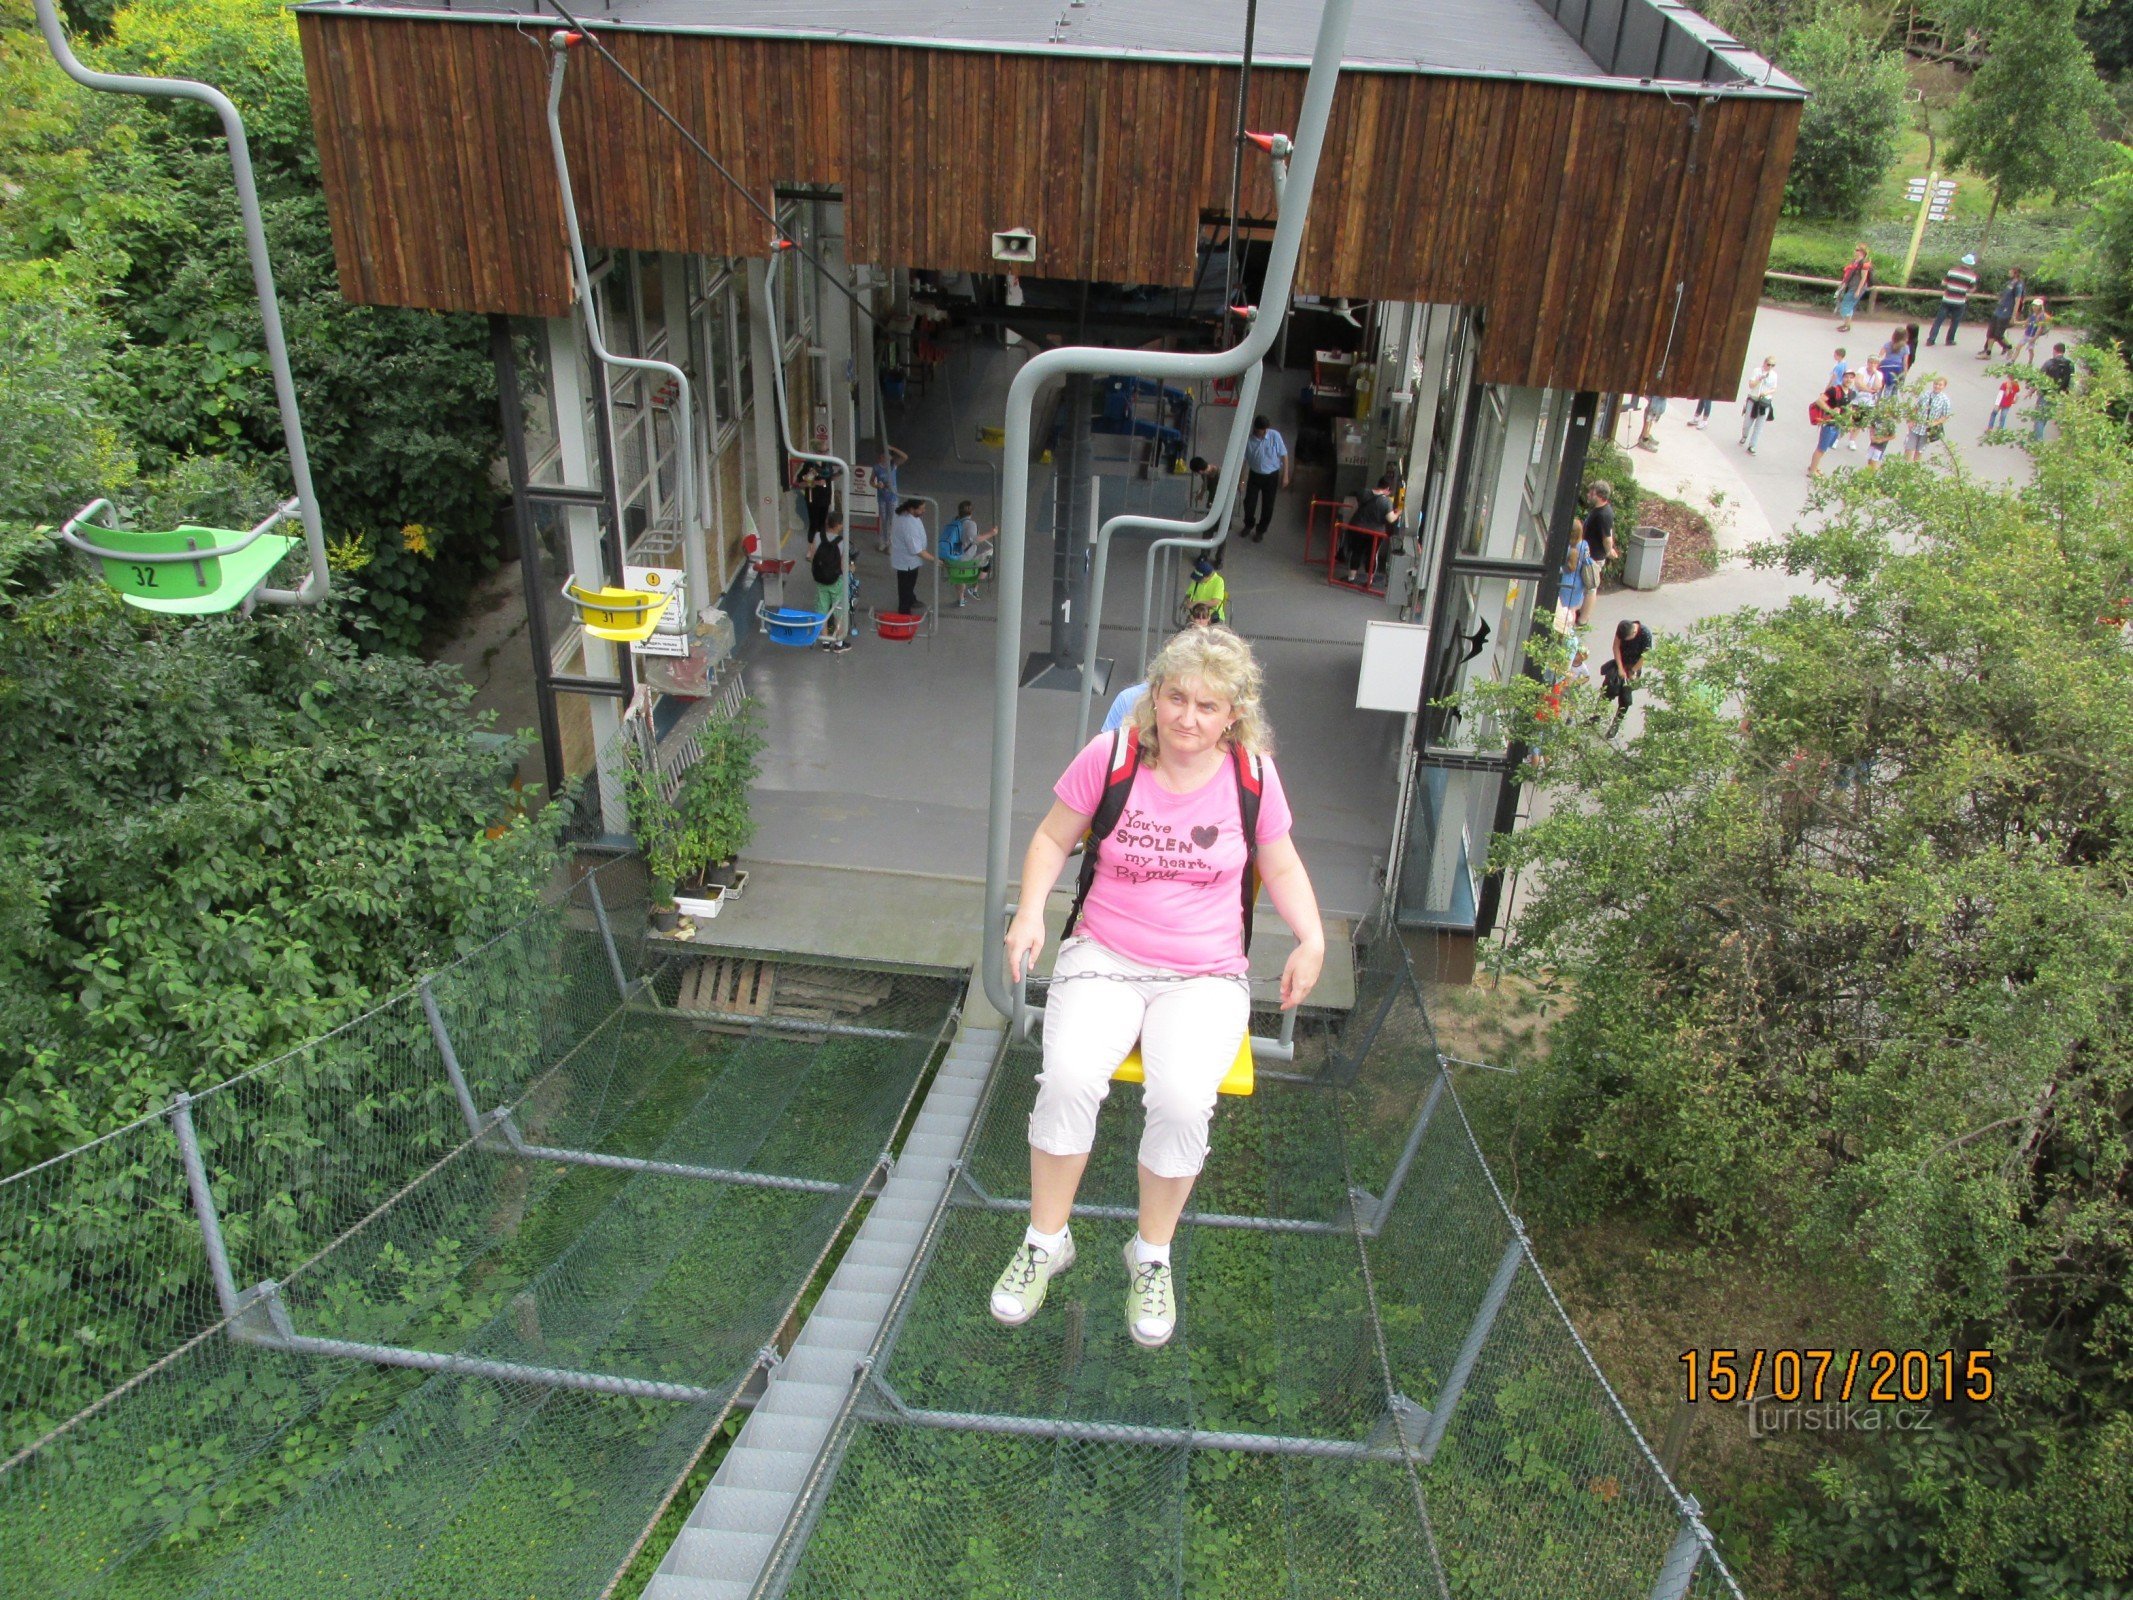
pixel 1691 546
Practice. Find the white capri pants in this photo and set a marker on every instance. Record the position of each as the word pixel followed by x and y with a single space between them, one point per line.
pixel 1188 1029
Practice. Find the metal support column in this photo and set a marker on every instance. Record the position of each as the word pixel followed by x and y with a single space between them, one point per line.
pixel 607 936
pixel 1678 1571
pixel 1072 489
pixel 210 1220
pixel 1372 1219
pixel 1446 1400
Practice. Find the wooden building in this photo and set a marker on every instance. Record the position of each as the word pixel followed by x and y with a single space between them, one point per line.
pixel 1619 217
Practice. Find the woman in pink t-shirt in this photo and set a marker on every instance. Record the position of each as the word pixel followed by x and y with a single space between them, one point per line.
pixel 1158 956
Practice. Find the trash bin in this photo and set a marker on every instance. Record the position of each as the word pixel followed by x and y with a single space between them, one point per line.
pixel 1645 556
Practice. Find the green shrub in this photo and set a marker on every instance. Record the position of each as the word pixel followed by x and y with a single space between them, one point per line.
pixel 1848 127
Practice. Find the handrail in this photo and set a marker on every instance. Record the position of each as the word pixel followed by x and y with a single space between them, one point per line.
pixel 317 581
pixel 1303 155
pixel 560 44
pixel 279 514
pixel 844 467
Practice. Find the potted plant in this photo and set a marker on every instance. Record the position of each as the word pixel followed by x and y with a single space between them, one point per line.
pixel 656 821
pixel 720 818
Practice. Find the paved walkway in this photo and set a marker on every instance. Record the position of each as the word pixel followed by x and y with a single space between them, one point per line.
pixel 1760 496
pixel 1750 499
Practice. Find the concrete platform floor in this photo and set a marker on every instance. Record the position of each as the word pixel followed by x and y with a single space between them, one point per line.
pixel 880 756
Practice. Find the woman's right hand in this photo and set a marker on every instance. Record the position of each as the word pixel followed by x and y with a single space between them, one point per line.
pixel 1025 938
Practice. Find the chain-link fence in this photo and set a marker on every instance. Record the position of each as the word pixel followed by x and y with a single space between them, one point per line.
pixel 446 1302
pixel 1373 1390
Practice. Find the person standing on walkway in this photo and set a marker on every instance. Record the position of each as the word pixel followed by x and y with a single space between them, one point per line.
pixel 1881 430
pixel 825 564
pixel 1929 424
pixel 1207 589
pixel 1858 276
pixel 2058 372
pixel 1373 514
pixel 1654 409
pixel 1826 412
pixel 2003 405
pixel 2034 327
pixel 885 491
pixel 1760 405
pixel 1955 291
pixel 1893 362
pixel 1191 812
pixel 907 552
pixel 1618 675
pixel 1598 529
pixel 1575 583
pixel 1266 461
pixel 2003 312
pixel 1868 388
pixel 813 485
pixel 961 542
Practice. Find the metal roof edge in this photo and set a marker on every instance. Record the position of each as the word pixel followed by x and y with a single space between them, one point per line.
pixel 1758 78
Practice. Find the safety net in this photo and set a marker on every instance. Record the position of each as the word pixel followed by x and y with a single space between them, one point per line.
pixel 1373 1389
pixel 447 1302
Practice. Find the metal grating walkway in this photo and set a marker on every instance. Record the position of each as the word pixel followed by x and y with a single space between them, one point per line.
pixel 731 1535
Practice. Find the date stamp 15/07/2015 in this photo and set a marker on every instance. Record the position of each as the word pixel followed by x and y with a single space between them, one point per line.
pixel 1819 1377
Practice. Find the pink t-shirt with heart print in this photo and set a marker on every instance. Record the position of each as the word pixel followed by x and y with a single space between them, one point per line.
pixel 1169 889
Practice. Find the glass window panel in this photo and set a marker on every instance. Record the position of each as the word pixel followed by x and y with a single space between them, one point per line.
pixel 743 350
pixel 1447 847
pixel 1484 642
pixel 1485 453
pixel 732 526
pixel 652 297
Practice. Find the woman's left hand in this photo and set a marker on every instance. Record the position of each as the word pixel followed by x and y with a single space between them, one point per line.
pixel 1300 975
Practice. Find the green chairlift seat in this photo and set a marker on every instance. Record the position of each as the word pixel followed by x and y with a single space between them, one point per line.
pixel 188 571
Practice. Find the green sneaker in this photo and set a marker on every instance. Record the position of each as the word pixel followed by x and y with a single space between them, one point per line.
pixel 1019 1293
pixel 1151 1301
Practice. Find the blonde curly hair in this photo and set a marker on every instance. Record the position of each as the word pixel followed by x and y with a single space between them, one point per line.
pixel 1219 661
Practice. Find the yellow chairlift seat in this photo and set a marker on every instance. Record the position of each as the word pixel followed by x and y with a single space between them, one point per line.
pixel 627 616
pixel 1238 1080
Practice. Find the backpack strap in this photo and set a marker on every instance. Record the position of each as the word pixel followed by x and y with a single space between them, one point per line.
pixel 1251 789
pixel 1124 766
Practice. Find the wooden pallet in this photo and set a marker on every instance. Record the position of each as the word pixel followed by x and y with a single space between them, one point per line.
pixel 729 986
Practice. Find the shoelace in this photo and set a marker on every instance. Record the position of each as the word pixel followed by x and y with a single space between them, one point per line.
pixel 1147 1282
pixel 1022 1270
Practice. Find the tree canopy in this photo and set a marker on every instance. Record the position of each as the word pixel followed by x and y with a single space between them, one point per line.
pixel 218 839
pixel 1843 940
pixel 122 210
pixel 1848 127
pixel 2027 122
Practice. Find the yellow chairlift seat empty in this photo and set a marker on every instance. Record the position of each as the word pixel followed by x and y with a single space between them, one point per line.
pixel 627 616
pixel 1238 1080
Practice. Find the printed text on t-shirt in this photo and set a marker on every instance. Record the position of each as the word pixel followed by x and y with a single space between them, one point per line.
pixel 1145 850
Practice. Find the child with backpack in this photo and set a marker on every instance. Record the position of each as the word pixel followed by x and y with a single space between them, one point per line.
pixel 961 541
pixel 825 564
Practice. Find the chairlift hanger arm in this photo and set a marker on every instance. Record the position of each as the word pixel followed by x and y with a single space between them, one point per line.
pixel 318 581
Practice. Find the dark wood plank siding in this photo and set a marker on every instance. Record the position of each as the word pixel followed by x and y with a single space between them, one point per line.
pixel 1577 216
